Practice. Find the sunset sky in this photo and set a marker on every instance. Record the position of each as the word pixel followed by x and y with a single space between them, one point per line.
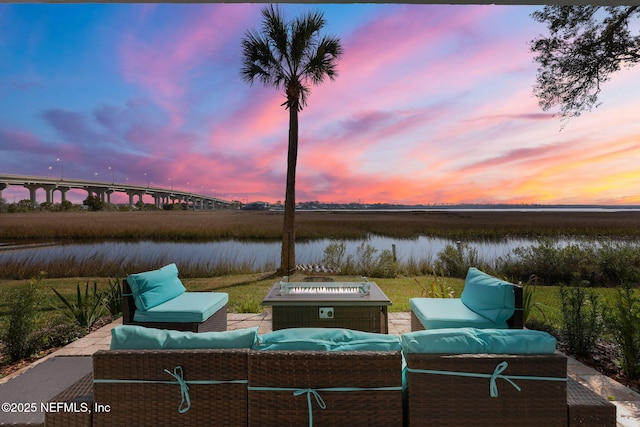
pixel 432 104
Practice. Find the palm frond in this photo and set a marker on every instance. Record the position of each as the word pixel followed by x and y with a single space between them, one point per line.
pixel 290 55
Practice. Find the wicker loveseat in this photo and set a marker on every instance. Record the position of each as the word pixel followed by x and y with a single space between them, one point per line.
pixel 157 299
pixel 486 302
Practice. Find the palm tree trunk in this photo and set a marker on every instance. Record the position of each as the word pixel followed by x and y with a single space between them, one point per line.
pixel 288 257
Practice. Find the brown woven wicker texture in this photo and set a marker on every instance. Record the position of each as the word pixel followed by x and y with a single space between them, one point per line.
pixel 217 321
pixel 79 396
pixel 157 403
pixel 588 409
pixel 446 400
pixel 360 318
pixel 318 370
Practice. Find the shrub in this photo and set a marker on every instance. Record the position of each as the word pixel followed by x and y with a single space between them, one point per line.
pixel 581 324
pixel 619 263
pixel 364 261
pixel 553 263
pixel 622 319
pixel 456 260
pixel 22 338
pixel 386 265
pixel 334 255
pixel 60 334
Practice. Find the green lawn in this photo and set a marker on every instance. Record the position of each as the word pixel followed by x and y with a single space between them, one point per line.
pixel 247 291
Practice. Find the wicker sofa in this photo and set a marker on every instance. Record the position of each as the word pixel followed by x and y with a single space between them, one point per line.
pixel 486 302
pixel 324 377
pixel 157 299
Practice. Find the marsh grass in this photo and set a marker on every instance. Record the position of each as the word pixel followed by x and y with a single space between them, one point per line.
pixel 121 266
pixel 340 225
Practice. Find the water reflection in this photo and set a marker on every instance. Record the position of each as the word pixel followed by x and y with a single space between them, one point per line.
pixel 259 255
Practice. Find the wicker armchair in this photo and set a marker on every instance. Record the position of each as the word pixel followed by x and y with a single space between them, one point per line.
pixel 216 322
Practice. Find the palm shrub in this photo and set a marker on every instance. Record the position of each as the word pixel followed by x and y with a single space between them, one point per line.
pixel 112 298
pixel 622 319
pixel 581 321
pixel 436 288
pixel 87 309
pixel 528 304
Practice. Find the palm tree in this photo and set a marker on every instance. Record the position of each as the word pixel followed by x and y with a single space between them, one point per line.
pixel 291 56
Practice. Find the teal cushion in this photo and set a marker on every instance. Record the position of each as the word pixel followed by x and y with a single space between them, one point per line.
pixel 517 341
pixel 152 288
pixel 129 337
pixel 327 339
pixel 444 341
pixel 186 307
pixel 489 297
pixel 475 341
pixel 438 313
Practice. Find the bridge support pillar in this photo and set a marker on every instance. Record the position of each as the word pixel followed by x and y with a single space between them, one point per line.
pixel 2 187
pixel 32 193
pixel 63 193
pixel 48 191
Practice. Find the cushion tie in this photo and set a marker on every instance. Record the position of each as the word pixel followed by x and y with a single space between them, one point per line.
pixel 185 404
pixel 177 374
pixel 497 373
pixel 493 388
pixel 315 392
pixel 319 399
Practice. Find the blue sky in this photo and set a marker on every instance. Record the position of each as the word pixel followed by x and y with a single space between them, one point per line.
pixel 432 104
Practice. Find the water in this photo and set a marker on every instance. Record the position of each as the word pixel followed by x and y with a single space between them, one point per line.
pixel 259 255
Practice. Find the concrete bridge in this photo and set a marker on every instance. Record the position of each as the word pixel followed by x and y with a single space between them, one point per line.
pixel 104 190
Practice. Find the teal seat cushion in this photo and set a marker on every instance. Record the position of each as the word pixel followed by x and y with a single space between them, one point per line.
pixel 186 307
pixel 327 339
pixel 152 288
pixel 438 313
pixel 477 341
pixel 130 337
pixel 517 341
pixel 488 296
pixel 444 341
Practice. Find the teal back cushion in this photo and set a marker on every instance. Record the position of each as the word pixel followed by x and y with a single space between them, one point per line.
pixel 488 296
pixel 152 288
pixel 327 339
pixel 131 337
pixel 478 341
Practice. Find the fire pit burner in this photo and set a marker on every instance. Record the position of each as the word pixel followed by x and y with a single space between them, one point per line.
pixel 352 305
pixel 287 288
